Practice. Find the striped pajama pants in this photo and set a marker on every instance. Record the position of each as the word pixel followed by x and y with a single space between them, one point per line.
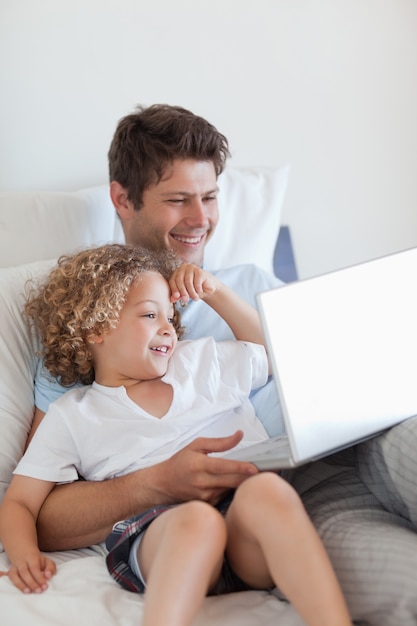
pixel 363 502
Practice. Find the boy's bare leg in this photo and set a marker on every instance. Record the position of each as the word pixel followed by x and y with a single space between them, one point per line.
pixel 181 557
pixel 271 541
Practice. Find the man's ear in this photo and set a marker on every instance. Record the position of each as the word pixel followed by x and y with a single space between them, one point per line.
pixel 122 204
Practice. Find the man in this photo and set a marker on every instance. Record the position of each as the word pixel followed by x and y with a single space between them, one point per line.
pixel 164 162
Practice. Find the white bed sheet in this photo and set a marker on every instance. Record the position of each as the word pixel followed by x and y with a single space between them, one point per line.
pixel 82 593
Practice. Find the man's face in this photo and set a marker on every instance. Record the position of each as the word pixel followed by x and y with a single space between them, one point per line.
pixel 180 212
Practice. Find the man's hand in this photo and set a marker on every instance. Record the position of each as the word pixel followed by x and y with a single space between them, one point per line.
pixel 79 514
pixel 191 474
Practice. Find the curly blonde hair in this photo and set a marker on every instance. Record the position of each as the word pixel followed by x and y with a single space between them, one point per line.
pixel 83 296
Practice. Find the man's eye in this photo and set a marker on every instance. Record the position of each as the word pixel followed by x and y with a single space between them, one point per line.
pixel 210 198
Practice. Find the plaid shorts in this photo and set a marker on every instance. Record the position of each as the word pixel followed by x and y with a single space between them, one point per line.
pixel 124 533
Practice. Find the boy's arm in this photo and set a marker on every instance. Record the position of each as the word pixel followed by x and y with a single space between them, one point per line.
pixel 29 570
pixel 190 281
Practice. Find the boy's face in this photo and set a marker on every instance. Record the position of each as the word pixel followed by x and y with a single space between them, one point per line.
pixel 141 345
pixel 180 212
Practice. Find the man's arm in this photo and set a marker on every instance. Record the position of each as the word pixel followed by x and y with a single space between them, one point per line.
pixel 37 418
pixel 80 514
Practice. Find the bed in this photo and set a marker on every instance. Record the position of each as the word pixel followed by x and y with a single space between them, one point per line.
pixel 35 228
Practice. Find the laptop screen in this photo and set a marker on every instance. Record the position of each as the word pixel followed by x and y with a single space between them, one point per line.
pixel 343 348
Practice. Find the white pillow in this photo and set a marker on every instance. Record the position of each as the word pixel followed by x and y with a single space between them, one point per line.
pixel 17 367
pixel 250 204
pixel 44 225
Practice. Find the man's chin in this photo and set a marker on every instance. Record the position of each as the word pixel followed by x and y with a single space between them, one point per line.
pixel 195 257
pixel 195 260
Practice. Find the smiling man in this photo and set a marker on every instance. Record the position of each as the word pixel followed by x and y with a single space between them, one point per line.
pixel 178 212
pixel 163 166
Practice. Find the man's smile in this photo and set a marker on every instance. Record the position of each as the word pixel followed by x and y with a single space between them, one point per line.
pixel 188 240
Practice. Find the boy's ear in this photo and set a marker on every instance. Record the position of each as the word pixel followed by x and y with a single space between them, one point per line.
pixel 95 339
pixel 122 204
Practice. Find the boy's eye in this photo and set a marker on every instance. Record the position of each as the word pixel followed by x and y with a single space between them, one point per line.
pixel 150 315
pixel 171 320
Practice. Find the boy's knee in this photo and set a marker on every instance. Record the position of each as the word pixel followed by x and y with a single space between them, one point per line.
pixel 200 517
pixel 267 487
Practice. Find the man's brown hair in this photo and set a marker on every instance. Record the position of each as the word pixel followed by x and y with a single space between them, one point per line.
pixel 147 141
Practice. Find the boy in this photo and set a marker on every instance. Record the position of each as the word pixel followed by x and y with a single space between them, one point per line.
pixel 106 318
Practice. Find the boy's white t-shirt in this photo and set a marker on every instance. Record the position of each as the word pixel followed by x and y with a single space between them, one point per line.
pixel 200 321
pixel 99 432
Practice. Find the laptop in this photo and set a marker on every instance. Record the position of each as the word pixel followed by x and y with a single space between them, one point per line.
pixel 343 349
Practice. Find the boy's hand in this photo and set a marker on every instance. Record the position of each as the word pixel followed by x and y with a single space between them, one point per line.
pixel 192 282
pixel 31 575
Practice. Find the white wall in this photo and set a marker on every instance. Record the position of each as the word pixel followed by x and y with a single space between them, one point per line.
pixel 327 85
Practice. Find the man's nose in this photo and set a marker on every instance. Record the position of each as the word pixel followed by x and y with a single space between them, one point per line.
pixel 197 214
